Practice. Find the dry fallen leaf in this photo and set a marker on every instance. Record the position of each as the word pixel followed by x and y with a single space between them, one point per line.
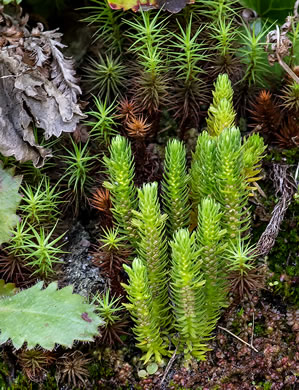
pixel 37 88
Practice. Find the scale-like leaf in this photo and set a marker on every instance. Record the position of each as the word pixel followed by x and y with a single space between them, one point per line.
pixel 9 200
pixel 47 317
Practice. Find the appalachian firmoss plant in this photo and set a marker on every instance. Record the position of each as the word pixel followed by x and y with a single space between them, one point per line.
pixel 120 168
pixel 187 296
pixel 147 329
pixel 221 113
pixel 175 187
pixel 195 266
pixel 152 248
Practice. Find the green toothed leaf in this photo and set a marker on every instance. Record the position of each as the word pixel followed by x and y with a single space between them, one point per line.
pixel 47 316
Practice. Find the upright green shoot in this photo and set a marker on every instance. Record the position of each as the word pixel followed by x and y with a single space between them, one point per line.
pixel 209 238
pixel 221 113
pixel 187 296
pixel 152 248
pixel 146 328
pixel 186 54
pixel 103 123
pixel 232 192
pixel 202 170
pixel 175 189
pixel 120 169
pixel 107 22
pixel 150 85
pixel 253 55
pixel 77 176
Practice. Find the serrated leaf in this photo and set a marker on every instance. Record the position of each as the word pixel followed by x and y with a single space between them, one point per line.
pixel 7 289
pixel 47 317
pixel 9 200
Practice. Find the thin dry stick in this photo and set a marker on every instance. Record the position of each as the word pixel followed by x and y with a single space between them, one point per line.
pixel 238 338
pixel 170 363
pixel 252 331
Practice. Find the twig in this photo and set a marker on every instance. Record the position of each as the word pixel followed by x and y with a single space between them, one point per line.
pixel 168 367
pixel 238 338
pixel 280 60
pixel 252 331
pixel 287 69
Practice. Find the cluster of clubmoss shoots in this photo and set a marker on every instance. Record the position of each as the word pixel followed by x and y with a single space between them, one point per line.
pixel 171 63
pixel 198 269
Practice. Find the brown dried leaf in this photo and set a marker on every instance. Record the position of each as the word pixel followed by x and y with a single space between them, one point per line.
pixel 37 87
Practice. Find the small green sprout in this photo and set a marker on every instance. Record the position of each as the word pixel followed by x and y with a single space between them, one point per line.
pixel 103 124
pixel 240 256
pixel 20 235
pixel 108 308
pixel 40 204
pixel 77 176
pixel 105 76
pixel 111 239
pixel 41 251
